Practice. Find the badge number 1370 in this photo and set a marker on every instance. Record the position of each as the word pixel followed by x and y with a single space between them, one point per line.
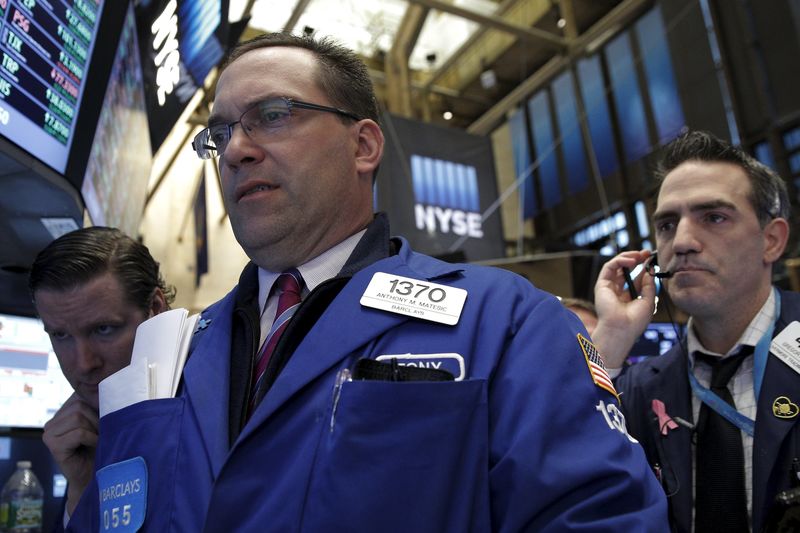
pixel 417 298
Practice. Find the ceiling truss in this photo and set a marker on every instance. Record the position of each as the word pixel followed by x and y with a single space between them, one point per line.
pixel 520 31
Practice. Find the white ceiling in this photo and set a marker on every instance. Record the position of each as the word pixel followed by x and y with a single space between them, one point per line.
pixel 370 26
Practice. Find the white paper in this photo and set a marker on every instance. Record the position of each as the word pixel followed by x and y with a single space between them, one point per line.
pixel 159 354
pixel 125 387
pixel 188 330
pixel 158 340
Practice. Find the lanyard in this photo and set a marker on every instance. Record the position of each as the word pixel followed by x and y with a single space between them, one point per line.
pixel 760 355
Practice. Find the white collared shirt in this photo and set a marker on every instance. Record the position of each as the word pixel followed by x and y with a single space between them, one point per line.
pixel 322 268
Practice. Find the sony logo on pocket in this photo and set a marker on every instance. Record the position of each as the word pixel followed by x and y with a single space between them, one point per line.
pixel 452 362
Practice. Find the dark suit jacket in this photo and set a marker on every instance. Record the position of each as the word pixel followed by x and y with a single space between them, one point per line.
pixel 776 440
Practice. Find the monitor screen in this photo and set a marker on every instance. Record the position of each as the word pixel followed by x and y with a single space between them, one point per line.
pixel 120 159
pixel 32 387
pixel 46 49
pixel 656 340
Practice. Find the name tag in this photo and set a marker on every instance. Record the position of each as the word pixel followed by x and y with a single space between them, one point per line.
pixel 416 298
pixel 123 495
pixel 452 362
pixel 786 346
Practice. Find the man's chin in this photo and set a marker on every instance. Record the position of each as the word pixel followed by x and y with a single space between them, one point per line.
pixel 89 394
pixel 277 256
pixel 692 299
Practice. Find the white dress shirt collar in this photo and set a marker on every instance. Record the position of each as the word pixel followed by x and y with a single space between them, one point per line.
pixel 322 268
pixel 750 337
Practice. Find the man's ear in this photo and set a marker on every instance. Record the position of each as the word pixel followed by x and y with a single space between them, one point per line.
pixel 158 303
pixel 369 150
pixel 776 235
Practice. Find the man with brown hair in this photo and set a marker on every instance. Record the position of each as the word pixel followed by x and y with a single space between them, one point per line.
pixel 724 445
pixel 91 288
pixel 350 384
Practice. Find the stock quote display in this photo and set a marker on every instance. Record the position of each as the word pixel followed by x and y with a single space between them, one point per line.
pixel 46 48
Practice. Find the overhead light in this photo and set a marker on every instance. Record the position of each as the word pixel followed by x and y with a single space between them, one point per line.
pixel 447 115
pixel 488 79
pixel 488 76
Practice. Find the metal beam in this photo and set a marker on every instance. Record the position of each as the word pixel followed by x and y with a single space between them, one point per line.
pixel 567 9
pixel 605 27
pixel 398 78
pixel 248 8
pixel 531 35
pixel 450 61
pixel 298 10
pixel 408 33
pixel 379 76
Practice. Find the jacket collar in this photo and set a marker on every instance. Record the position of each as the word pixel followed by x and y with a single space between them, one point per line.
pixel 344 329
pixel 344 326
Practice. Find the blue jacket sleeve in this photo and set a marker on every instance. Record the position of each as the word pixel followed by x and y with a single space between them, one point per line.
pixel 559 439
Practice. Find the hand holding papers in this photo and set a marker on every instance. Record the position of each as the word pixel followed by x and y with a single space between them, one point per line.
pixel 159 353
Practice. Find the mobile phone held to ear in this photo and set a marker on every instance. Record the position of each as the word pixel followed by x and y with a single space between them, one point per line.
pixel 650 267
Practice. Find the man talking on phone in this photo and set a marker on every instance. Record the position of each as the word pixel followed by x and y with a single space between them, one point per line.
pixel 717 415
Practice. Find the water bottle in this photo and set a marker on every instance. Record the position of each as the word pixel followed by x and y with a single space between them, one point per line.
pixel 21 502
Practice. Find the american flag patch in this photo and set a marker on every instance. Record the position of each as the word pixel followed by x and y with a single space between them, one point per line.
pixel 596 367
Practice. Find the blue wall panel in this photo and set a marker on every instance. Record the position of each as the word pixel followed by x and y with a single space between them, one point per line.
pixel 598 116
pixel 628 98
pixel 572 141
pixel 544 144
pixel 660 77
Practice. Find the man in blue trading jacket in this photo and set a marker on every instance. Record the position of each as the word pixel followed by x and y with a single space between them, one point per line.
pixel 404 394
pixel 721 223
pixel 92 287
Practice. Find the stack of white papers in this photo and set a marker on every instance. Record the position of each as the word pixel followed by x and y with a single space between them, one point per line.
pixel 159 353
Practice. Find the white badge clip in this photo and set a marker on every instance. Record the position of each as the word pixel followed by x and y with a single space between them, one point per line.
pixel 416 298
pixel 786 346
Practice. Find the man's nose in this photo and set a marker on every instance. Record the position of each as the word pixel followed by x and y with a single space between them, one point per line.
pixel 686 238
pixel 241 148
pixel 86 357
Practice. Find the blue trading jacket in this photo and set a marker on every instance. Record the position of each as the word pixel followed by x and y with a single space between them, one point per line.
pixel 524 442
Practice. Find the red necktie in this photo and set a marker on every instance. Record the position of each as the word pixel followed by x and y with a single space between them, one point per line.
pixel 288 286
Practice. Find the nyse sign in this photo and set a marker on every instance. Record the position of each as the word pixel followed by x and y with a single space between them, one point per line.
pixel 446 196
pixel 165 44
pixel 446 220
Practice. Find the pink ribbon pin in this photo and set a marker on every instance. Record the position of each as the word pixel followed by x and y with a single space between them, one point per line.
pixel 665 422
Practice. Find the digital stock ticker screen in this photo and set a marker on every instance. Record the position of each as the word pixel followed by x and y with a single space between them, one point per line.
pixel 46 47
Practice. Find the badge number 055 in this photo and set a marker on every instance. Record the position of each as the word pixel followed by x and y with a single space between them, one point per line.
pixel 122 490
pixel 116 517
pixel 417 298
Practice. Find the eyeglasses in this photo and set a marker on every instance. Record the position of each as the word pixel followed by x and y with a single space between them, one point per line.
pixel 259 122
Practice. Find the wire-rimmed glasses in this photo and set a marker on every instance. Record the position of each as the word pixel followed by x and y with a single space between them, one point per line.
pixel 258 122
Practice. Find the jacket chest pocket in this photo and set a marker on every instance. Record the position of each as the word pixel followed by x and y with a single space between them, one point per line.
pixel 150 430
pixel 419 448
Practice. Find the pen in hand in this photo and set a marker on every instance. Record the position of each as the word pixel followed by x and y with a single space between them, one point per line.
pixel 631 289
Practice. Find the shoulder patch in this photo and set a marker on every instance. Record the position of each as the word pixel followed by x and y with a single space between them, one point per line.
pixel 596 367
